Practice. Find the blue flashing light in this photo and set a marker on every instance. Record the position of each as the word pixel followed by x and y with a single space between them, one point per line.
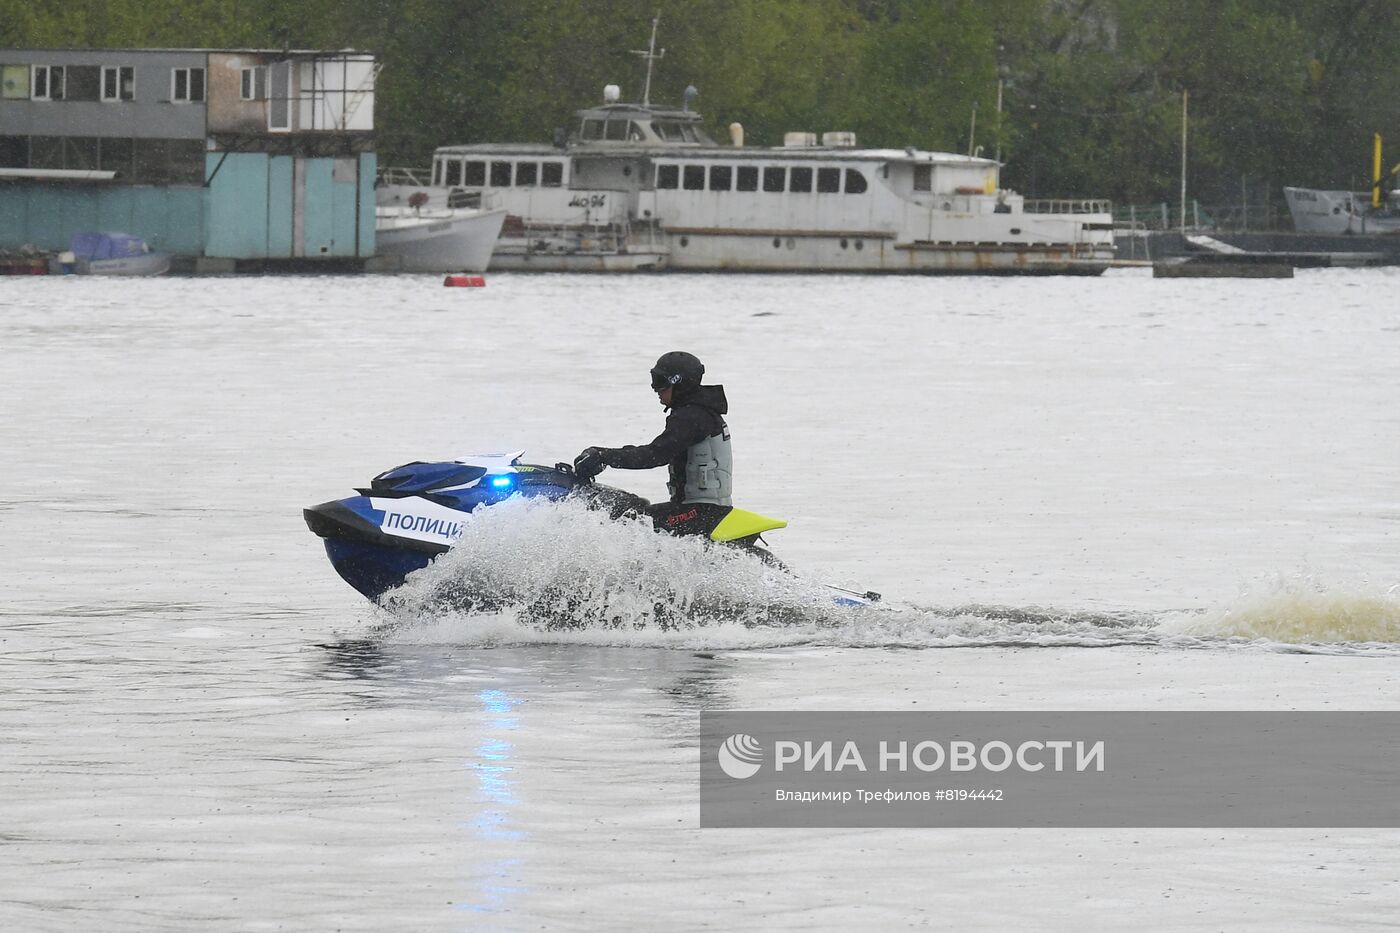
pixel 500 481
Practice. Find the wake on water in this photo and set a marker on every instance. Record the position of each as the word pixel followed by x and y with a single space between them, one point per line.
pixel 532 571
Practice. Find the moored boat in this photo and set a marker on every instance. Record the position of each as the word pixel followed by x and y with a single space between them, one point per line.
pixel 438 239
pixel 1374 212
pixel 112 253
pixel 642 186
pixel 1341 212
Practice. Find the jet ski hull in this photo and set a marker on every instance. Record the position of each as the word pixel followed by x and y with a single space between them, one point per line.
pixel 373 569
pixel 412 513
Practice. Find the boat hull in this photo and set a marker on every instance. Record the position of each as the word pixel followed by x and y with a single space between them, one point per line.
pixel 148 264
pixel 1332 213
pixel 454 241
pixel 373 569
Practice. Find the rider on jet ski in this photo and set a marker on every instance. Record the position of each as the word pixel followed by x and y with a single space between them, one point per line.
pixel 694 446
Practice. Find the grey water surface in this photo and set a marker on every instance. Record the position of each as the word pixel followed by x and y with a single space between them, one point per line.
pixel 1114 493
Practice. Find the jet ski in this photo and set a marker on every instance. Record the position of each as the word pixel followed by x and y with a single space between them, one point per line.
pixel 409 515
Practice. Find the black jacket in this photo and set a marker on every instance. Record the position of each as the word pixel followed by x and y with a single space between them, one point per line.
pixel 693 419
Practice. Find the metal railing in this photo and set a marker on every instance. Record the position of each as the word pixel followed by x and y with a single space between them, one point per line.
pixel 1067 206
pixel 1266 216
pixel 390 175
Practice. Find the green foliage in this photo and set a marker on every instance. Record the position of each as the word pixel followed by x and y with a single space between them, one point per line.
pixel 1280 92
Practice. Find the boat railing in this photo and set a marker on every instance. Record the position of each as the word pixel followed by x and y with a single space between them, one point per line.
pixel 1067 206
pixel 393 175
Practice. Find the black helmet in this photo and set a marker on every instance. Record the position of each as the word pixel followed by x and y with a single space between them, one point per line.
pixel 677 370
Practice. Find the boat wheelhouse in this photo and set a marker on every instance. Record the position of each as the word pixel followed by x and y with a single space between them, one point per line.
pixel 637 186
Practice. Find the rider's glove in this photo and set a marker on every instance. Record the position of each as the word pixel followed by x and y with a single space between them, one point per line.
pixel 589 463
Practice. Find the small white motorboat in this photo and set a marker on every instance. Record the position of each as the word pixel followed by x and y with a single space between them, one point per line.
pixel 438 239
pixel 116 254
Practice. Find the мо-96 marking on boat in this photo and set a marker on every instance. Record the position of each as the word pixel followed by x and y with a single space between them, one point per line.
pixel 638 186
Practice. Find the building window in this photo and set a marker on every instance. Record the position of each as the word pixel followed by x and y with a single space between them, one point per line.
pixel 553 174
pixel 500 174
pixel 923 178
pixel 855 182
pixel 693 179
pixel 48 82
pixel 774 179
pixel 169 161
pixel 801 179
pixel 82 82
pixel 118 82
pixel 14 81
pixel 828 180
pixel 117 155
pixel 279 108
pixel 46 152
pixel 14 152
pixel 668 176
pixel 474 174
pixel 527 174
pixel 721 177
pixel 747 178
pixel 253 84
pixel 187 85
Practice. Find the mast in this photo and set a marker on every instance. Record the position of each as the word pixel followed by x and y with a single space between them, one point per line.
pixel 651 55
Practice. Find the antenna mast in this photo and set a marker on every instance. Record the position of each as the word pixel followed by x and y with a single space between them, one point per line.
pixel 651 55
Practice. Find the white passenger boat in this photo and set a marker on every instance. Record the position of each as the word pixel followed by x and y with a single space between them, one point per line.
pixel 636 186
pixel 437 239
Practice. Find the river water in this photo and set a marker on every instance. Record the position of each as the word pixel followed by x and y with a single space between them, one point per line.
pixel 1082 494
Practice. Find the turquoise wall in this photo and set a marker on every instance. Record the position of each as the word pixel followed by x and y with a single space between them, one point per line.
pixel 369 167
pixel 318 208
pixel 246 212
pixel 235 225
pixel 279 191
pixel 47 215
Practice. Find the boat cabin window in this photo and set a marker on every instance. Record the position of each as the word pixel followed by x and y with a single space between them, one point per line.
pixel 454 173
pixel 474 173
pixel 667 130
pixel 500 174
pixel 694 179
pixel 668 176
pixel 774 179
pixel 527 174
pixel 748 178
pixel 592 129
pixel 855 182
pixel 721 177
pixel 828 180
pixel 619 130
pixel 923 178
pixel 688 133
pixel 800 179
pixel 553 174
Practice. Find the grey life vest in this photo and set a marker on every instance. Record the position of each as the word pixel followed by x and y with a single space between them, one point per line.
pixel 709 470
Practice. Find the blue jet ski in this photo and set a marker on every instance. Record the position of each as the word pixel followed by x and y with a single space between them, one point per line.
pixel 409 515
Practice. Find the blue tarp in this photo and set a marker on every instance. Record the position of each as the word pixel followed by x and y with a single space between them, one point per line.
pixel 107 245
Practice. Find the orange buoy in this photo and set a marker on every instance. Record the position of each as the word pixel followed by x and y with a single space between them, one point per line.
pixel 465 281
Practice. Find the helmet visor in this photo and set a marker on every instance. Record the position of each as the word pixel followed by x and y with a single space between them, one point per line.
pixel 660 380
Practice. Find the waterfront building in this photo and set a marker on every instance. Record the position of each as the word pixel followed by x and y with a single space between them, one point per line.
pixel 216 156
